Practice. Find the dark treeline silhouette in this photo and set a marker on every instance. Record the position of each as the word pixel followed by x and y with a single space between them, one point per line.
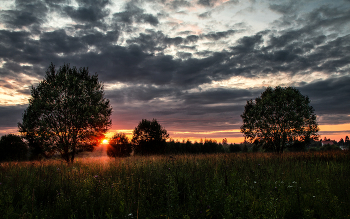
pixel 208 146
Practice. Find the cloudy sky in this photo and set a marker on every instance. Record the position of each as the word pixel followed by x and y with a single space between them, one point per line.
pixel 191 64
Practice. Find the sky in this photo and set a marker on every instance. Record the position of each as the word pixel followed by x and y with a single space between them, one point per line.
pixel 192 65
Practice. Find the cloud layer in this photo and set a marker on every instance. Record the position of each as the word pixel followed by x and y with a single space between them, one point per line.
pixel 190 64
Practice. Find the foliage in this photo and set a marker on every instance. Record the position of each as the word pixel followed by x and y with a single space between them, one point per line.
pixel 280 118
pixel 12 147
pixel 234 148
pixel 149 137
pixel 119 146
pixel 254 185
pixel 67 111
pixel 206 147
pixel 329 147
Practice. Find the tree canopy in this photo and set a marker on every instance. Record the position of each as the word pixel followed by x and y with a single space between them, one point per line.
pixel 149 137
pixel 119 146
pixel 67 110
pixel 280 118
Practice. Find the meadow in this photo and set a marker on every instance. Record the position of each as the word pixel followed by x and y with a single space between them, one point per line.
pixel 231 185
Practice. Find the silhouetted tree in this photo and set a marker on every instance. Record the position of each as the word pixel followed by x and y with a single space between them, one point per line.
pixel 347 141
pixel 279 118
pixel 67 111
pixel 119 146
pixel 149 137
pixel 12 147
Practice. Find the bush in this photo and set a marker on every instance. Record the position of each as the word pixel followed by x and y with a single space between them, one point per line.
pixel 329 147
pixel 245 148
pixel 313 149
pixel 12 147
pixel 234 148
pixel 255 147
pixel 119 146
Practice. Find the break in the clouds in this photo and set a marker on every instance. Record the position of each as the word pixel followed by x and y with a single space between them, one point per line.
pixel 190 64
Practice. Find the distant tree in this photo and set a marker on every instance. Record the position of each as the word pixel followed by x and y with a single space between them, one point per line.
pixel 347 141
pixel 326 139
pixel 67 111
pixel 12 147
pixel 119 146
pixel 279 118
pixel 224 141
pixel 341 142
pixel 234 148
pixel 149 137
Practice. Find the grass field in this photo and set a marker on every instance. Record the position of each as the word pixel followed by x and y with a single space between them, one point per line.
pixel 243 185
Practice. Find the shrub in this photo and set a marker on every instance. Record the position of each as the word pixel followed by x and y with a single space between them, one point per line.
pixel 313 149
pixel 119 146
pixel 329 147
pixel 234 148
pixel 12 147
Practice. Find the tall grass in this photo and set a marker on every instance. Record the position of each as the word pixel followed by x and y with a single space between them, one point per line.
pixel 292 185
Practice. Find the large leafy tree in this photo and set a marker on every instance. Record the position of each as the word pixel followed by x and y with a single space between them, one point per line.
pixel 149 137
pixel 67 111
pixel 119 146
pixel 280 118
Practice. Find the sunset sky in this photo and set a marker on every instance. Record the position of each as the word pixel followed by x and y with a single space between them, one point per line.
pixel 192 65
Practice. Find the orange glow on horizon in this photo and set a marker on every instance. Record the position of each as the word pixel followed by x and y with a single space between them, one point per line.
pixel 335 128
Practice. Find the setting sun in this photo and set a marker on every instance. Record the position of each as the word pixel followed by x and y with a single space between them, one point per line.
pixel 105 141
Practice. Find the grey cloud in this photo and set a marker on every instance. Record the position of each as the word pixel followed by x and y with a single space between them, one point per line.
pixel 205 14
pixel 219 96
pixel 135 14
pixel 179 3
pixel 27 13
pixel 11 115
pixel 310 44
pixel 219 35
pixel 85 14
pixel 329 96
pixel 59 42
pixel 285 8
pixel 184 55
pixel 207 3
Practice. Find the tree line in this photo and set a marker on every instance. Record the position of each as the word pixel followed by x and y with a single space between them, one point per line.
pixel 68 113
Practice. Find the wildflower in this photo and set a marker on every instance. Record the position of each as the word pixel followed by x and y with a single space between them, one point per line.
pixel 96 176
pixel 254 181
